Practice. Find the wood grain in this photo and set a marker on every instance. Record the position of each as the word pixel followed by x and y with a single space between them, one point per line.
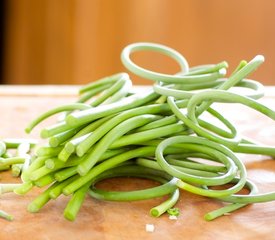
pixel 114 220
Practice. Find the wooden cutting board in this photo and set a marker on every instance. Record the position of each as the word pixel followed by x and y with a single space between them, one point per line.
pixel 115 220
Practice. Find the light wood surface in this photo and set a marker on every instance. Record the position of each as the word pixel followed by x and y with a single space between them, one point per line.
pixel 78 41
pixel 114 220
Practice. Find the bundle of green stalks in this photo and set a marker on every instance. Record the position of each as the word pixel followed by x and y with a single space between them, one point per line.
pixel 159 134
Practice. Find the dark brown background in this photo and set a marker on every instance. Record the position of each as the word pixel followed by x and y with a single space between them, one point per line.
pixel 77 41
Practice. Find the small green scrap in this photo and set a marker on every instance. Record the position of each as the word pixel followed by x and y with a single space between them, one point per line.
pixel 173 212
